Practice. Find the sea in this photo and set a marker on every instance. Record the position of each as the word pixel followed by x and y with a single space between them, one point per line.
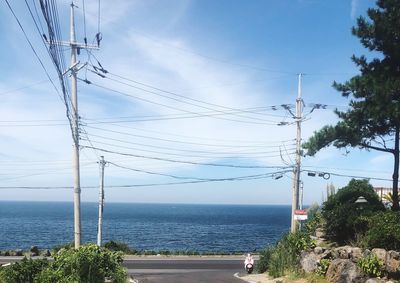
pixel 146 227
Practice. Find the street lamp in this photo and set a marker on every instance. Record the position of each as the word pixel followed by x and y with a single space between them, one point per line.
pixel 361 200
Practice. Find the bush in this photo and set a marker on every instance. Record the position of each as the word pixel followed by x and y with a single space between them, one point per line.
pixel 371 265
pixel 342 215
pixel 88 264
pixel 265 257
pixel 119 247
pixel 67 246
pixel 285 255
pixel 24 271
pixel 383 231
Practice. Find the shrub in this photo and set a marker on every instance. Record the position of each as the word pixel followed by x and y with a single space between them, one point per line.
pixel 342 214
pixel 88 264
pixel 24 271
pixel 119 247
pixel 371 265
pixel 67 246
pixel 285 255
pixel 265 257
pixel 383 231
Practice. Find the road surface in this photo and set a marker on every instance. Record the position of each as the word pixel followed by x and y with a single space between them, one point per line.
pixel 185 269
pixel 178 269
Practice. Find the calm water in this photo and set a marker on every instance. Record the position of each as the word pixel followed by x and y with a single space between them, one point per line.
pixel 179 227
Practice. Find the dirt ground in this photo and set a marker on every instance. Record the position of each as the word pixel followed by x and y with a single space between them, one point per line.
pixel 263 278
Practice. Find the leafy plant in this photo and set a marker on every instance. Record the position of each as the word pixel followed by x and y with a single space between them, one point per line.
pixel 342 214
pixel 383 231
pixel 284 256
pixel 24 271
pixel 323 266
pixel 371 265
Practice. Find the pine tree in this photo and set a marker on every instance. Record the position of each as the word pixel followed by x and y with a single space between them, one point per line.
pixel 373 119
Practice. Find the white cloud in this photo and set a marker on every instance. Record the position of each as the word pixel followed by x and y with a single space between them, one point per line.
pixel 354 8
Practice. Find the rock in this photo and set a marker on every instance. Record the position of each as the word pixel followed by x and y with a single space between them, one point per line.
pixel 374 280
pixel 380 254
pixel 326 255
pixel 47 253
pixel 393 264
pixel 343 271
pixel 356 254
pixel 343 252
pixel 18 252
pixel 366 252
pixel 34 250
pixel 319 233
pixel 309 261
pixel 319 250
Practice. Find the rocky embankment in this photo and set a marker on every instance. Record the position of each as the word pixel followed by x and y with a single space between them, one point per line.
pixel 342 261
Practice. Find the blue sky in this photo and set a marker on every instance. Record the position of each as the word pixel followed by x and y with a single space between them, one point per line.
pixel 207 57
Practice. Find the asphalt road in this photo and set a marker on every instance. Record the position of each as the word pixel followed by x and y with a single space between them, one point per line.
pixel 178 269
pixel 185 270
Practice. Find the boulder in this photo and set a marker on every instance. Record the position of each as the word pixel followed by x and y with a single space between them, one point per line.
pixel 34 250
pixel 343 271
pixel 309 261
pixel 343 252
pixel 319 233
pixel 356 254
pixel 375 280
pixel 380 254
pixel 319 250
pixel 393 264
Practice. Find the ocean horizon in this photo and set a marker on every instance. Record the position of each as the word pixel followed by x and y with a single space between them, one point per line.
pixel 228 228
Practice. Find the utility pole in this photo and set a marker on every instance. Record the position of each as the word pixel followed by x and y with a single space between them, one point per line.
pixel 296 170
pixel 102 164
pixel 74 69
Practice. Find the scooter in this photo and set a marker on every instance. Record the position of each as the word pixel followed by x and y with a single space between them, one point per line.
pixel 249 268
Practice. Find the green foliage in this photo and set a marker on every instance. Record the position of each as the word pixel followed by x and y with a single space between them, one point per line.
pixel 323 266
pixel 265 257
pixel 314 219
pixel 371 265
pixel 372 120
pixel 119 247
pixel 24 271
pixel 88 264
pixel 69 245
pixel 383 231
pixel 284 257
pixel 343 216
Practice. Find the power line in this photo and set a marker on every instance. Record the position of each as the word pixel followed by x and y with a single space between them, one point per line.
pixel 30 44
pixel 231 156
pixel 175 108
pixel 186 161
pixel 182 142
pixel 181 96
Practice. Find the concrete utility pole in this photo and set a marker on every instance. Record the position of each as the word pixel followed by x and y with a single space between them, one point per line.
pixel 296 170
pixel 75 134
pixel 75 124
pixel 74 69
pixel 102 164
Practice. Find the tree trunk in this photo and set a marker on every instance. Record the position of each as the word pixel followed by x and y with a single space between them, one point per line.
pixel 395 206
